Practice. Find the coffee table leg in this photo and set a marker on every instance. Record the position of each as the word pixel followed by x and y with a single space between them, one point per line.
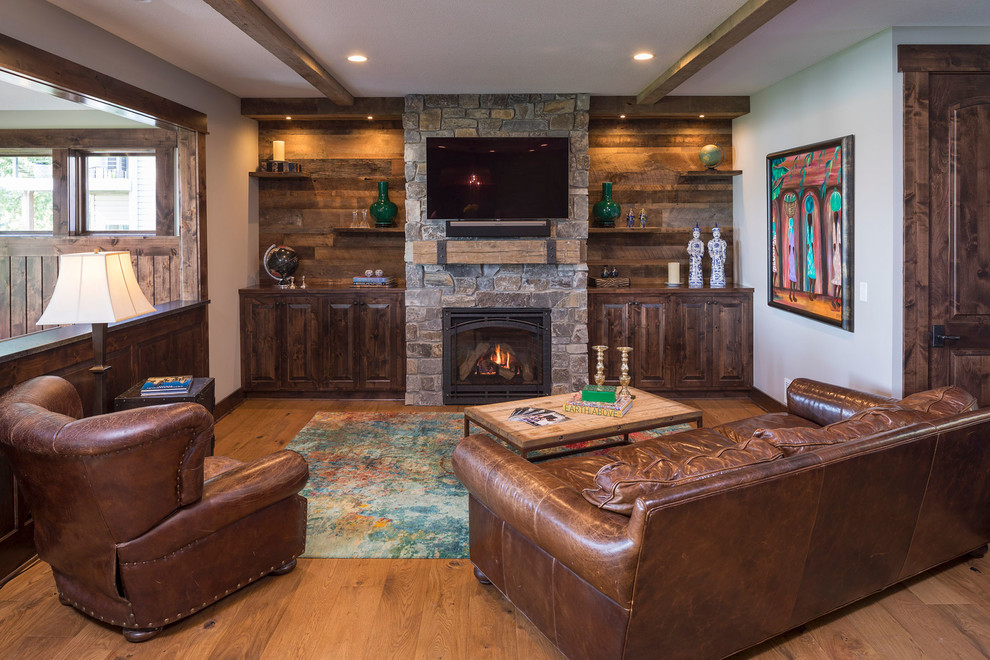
pixel 467 427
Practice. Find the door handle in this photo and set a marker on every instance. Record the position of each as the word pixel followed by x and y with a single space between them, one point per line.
pixel 939 337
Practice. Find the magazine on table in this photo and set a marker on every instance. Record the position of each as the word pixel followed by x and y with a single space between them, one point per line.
pixel 166 385
pixel 537 416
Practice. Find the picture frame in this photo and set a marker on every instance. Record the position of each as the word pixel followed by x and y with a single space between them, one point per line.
pixel 810 231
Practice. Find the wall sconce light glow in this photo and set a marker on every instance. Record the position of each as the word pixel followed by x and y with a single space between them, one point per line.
pixel 642 57
pixel 357 58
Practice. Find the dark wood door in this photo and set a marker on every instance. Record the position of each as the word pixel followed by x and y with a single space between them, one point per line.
pixel 260 343
pixel 381 354
pixel 302 365
pixel 340 339
pixel 692 321
pixel 732 364
pixel 959 248
pixel 610 324
pixel 649 362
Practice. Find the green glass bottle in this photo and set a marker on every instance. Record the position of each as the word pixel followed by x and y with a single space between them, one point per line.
pixel 606 210
pixel 382 209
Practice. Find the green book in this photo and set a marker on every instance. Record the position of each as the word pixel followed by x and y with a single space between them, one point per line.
pixel 603 393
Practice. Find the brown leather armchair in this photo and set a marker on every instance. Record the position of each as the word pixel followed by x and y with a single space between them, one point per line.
pixel 140 528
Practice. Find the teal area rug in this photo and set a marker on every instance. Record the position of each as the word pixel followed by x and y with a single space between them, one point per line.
pixel 381 485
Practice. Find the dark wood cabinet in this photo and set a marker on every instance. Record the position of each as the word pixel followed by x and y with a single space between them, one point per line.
pixel 314 341
pixel 682 339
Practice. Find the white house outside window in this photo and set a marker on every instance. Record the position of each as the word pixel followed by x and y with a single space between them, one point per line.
pixel 26 193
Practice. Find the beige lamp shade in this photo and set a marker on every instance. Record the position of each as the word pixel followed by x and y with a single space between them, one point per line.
pixel 95 287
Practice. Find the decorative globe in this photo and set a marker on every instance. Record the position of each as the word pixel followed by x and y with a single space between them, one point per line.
pixel 711 156
pixel 280 263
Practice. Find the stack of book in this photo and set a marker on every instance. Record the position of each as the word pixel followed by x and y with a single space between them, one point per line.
pixel 372 281
pixel 166 386
pixel 618 408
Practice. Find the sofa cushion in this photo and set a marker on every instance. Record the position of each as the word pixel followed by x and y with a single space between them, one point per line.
pixel 579 471
pixel 743 429
pixel 861 424
pixel 621 483
pixel 947 400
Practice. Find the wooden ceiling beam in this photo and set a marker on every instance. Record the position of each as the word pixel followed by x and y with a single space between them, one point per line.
pixel 746 20
pixel 670 107
pixel 258 25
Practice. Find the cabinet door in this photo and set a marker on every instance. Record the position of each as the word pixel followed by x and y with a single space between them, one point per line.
pixel 301 349
pixel 692 338
pixel 732 341
pixel 381 354
pixel 340 342
pixel 261 346
pixel 649 362
pixel 608 325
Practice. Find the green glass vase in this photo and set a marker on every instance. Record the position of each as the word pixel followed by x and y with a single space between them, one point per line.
pixel 382 209
pixel 606 210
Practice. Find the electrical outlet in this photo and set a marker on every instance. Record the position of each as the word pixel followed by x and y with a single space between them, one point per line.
pixel 787 383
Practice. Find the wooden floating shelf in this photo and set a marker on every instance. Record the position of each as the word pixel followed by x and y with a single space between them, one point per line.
pixel 711 173
pixel 370 230
pixel 278 175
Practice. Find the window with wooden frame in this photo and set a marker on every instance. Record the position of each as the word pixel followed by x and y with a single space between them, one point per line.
pixel 67 182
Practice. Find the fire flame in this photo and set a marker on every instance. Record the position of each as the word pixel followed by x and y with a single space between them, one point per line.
pixel 499 357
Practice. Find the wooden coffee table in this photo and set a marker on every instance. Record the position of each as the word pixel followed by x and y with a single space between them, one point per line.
pixel 648 411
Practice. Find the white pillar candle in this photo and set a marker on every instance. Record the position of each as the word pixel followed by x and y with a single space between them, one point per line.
pixel 278 150
pixel 673 272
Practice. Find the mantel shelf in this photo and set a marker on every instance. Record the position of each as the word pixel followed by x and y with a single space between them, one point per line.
pixel 278 175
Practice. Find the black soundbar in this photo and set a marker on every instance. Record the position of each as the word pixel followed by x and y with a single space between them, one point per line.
pixel 497 228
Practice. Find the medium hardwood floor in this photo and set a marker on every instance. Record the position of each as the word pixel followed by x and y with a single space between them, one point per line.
pixel 424 608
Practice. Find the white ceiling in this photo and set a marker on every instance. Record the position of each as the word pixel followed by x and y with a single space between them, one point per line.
pixel 464 46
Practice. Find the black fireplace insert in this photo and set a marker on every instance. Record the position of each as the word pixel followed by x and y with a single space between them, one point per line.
pixel 495 354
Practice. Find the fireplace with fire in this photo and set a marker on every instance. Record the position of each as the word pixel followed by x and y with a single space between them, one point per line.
pixel 495 354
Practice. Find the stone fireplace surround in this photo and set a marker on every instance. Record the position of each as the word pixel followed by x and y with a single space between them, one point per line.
pixel 561 287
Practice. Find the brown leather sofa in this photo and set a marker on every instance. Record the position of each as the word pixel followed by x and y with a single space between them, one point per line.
pixel 140 528
pixel 705 542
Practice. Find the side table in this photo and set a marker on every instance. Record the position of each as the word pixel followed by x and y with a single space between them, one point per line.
pixel 202 391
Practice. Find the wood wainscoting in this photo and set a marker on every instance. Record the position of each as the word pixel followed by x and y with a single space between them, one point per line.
pixel 172 341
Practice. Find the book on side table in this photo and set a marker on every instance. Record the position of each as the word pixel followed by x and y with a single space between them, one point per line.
pixel 166 386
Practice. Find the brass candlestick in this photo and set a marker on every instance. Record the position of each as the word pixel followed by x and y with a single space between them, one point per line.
pixel 624 379
pixel 600 367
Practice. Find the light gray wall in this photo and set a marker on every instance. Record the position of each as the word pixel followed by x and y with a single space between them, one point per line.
pixel 850 93
pixel 231 147
pixel 858 92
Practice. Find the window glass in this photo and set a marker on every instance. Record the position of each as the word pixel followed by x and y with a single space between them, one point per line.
pixel 120 192
pixel 26 193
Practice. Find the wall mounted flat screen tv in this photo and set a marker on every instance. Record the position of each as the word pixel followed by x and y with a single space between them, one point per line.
pixel 479 182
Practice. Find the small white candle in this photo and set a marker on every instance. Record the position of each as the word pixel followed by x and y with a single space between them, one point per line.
pixel 673 272
pixel 278 150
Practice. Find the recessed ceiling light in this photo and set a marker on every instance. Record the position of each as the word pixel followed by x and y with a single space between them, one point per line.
pixel 622 116
pixel 701 116
pixel 643 56
pixel 357 58
pixel 288 118
pixel 370 117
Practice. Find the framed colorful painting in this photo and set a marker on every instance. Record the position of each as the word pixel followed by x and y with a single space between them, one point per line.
pixel 810 231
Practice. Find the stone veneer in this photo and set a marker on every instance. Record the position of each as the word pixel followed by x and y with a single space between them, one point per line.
pixel 429 288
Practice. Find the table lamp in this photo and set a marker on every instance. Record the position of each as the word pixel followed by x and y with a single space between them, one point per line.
pixel 98 288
